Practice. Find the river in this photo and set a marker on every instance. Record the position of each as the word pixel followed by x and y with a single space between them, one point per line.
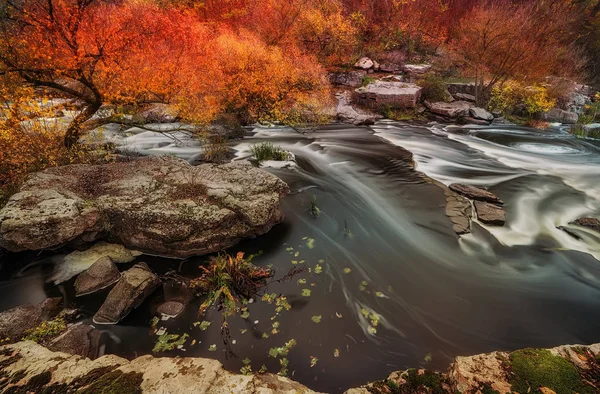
pixel 391 286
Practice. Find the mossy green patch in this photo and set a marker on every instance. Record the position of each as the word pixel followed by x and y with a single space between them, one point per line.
pixel 115 382
pixel 427 382
pixel 531 369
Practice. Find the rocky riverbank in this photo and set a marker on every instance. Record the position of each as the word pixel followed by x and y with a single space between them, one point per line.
pixel 27 367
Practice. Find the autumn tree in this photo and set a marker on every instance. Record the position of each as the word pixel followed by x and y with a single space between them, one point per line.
pixel 498 41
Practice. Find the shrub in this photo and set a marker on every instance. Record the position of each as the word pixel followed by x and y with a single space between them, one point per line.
pixel 35 147
pixel 434 88
pixel 267 151
pixel 513 97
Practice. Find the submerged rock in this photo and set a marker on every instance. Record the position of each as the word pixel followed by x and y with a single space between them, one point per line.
pixel 392 93
pixel 77 262
pixel 591 223
pixel 131 290
pixel 102 274
pixel 490 214
pixel 171 309
pixel 41 370
pixel 16 321
pixel 475 193
pixel 158 205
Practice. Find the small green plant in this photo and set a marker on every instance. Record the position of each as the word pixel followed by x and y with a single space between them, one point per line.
pixel 167 342
pixel 267 151
pixel 590 115
pixel 367 80
pixel 46 330
pixel 314 209
pixel 229 279
pixel 402 115
pixel 434 88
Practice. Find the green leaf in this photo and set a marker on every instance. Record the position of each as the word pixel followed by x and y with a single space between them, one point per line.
pixel 347 270
pixel 212 348
pixel 310 243
pixel 316 319
pixel 306 292
pixel 204 325
pixel 301 281
pixel 313 361
pixel 336 353
pixel 318 269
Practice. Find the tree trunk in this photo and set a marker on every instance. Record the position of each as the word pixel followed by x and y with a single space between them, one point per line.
pixel 74 129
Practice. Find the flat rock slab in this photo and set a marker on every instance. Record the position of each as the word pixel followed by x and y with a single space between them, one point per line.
pixel 475 193
pixel 102 274
pixel 591 223
pixel 143 375
pixel 347 113
pixel 131 290
pixel 396 94
pixel 450 110
pixel 158 205
pixel 79 339
pixel 490 214
pixel 480 113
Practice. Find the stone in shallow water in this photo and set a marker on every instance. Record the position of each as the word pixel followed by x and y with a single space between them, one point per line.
pixel 171 308
pixel 451 110
pixel 490 214
pixel 475 193
pixel 591 223
pixel 396 94
pixel 100 275
pixel 135 285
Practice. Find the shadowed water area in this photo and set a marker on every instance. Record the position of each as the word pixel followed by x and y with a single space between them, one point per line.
pixel 393 285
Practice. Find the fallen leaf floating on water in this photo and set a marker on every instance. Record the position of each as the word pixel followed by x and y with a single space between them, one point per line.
pixel 313 361
pixel 310 243
pixel 212 348
pixel 306 292
pixel 339 315
pixel 347 270
pixel 318 269
pixel 316 319
pixel 336 353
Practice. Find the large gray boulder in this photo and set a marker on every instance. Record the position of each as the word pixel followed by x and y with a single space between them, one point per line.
pixel 135 285
pixel 455 109
pixel 482 114
pixel 102 274
pixel 392 93
pixel 560 116
pixel 158 205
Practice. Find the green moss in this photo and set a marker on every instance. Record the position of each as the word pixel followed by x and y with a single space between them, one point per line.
pixel 531 369
pixel 428 381
pixel 115 382
pixel 46 330
pixel 485 388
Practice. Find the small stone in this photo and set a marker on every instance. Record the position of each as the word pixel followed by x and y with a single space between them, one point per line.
pixel 364 63
pixel 171 309
pixel 102 274
pixel 490 214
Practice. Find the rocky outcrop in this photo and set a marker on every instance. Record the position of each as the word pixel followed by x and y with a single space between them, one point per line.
pixel 395 94
pixel 158 205
pixel 459 202
pixel 352 79
pixel 28 367
pixel 464 88
pixel 390 67
pixel 464 97
pixel 102 274
pixel 452 110
pixel 79 339
pixel 560 116
pixel 347 113
pixel 130 291
pixel 16 321
pixel 591 223
pixel 416 69
pixel 564 369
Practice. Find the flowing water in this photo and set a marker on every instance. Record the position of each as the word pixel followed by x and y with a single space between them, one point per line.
pixel 393 285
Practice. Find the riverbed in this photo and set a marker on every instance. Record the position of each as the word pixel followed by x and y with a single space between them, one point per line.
pixel 387 284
